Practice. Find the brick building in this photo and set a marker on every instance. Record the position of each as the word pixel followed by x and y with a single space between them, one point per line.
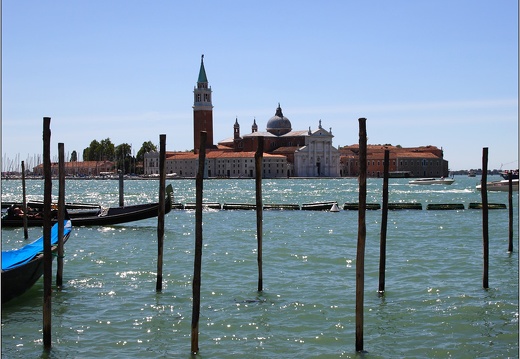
pixel 424 161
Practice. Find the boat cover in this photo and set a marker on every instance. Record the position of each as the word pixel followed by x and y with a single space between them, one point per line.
pixel 17 257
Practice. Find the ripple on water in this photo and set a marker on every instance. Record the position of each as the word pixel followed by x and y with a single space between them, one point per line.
pixel 433 305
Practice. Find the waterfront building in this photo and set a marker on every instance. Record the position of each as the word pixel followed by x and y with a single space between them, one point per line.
pixel 221 164
pixel 424 161
pixel 287 152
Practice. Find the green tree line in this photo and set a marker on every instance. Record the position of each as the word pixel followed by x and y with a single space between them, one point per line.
pixel 121 155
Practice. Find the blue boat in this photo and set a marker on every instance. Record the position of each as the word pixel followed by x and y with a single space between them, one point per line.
pixel 22 267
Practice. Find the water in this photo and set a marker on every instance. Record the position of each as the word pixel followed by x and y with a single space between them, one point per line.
pixel 434 305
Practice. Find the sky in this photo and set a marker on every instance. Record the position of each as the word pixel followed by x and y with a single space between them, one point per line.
pixel 442 73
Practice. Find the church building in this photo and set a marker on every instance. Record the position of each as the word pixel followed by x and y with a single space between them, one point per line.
pixel 309 152
pixel 287 152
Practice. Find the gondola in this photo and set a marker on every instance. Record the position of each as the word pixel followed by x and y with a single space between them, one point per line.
pixel 22 267
pixel 68 205
pixel 100 217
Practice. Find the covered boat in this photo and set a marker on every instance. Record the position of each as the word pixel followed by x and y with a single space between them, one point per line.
pixel 22 267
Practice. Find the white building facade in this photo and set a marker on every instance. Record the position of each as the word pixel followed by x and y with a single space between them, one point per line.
pixel 318 158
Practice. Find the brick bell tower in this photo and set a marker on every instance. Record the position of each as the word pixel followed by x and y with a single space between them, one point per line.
pixel 202 110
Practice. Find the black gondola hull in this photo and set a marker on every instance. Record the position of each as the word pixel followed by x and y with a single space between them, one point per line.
pixel 116 215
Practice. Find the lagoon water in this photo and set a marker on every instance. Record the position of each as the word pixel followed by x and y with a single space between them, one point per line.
pixel 434 305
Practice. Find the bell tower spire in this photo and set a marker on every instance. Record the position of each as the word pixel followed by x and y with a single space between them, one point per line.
pixel 202 109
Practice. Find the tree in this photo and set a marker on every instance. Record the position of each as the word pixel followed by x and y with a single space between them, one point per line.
pixel 146 147
pixel 107 150
pixel 74 156
pixel 123 154
pixel 90 153
pixel 99 151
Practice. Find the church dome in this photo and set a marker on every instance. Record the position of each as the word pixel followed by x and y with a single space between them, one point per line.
pixel 279 124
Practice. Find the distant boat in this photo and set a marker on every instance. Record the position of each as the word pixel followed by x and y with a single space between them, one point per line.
pixel 318 206
pixel 442 180
pixel 22 267
pixel 505 174
pixel 472 174
pixel 500 186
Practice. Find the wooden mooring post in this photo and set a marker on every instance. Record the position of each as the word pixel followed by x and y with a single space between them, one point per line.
pixel 511 218
pixel 47 254
pixel 384 222
pixel 360 256
pixel 61 213
pixel 259 155
pixel 485 223
pixel 160 217
pixel 121 189
pixel 197 267
pixel 24 204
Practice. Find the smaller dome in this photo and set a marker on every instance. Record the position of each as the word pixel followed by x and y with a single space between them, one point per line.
pixel 279 124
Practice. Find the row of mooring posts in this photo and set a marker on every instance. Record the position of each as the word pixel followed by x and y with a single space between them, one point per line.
pixel 360 255
pixel 382 261
pixel 47 226
pixel 196 282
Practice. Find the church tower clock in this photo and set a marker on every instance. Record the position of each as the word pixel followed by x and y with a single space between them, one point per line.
pixel 202 110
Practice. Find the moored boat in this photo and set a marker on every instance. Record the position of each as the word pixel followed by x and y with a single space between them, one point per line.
pixel 442 180
pixel 318 206
pixel 103 216
pixel 22 267
pixel 68 205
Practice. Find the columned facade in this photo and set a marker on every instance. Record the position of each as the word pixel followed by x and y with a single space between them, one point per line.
pixel 318 158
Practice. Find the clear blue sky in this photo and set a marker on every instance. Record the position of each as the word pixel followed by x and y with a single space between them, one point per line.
pixel 441 73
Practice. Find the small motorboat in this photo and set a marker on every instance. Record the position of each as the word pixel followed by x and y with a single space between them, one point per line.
pixel 442 180
pixel 500 186
pixel 318 206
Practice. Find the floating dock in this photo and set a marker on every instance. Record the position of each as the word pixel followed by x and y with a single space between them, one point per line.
pixel 445 206
pixel 327 205
pixel 411 205
pixel 474 205
pixel 355 206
